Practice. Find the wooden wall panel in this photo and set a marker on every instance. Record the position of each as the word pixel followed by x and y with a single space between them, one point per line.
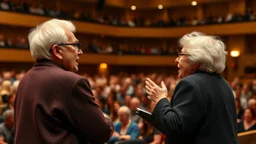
pixel 216 9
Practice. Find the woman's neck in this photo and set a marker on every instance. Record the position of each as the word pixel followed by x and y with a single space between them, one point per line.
pixel 249 121
pixel 125 124
pixel 248 124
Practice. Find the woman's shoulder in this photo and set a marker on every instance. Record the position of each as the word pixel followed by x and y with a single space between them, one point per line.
pixel 200 74
pixel 202 78
pixel 133 124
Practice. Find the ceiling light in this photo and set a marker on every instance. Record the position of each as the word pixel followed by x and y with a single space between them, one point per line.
pixel 193 3
pixel 160 6
pixel 133 7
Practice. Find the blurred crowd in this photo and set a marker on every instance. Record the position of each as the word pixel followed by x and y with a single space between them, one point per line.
pixel 19 43
pixel 119 95
pixel 96 46
pixel 9 81
pixel 125 49
pixel 119 20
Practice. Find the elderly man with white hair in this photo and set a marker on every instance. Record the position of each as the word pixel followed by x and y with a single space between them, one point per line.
pixel 53 103
pixel 202 109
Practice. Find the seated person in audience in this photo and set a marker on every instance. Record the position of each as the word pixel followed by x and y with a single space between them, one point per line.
pixel 9 43
pixel 102 102
pixel 10 105
pixel 134 104
pixel 150 134
pixel 239 110
pixel 5 5
pixel 7 126
pixel 248 122
pixel 125 129
pixel 252 105
pixel 127 100
pixel 4 96
pixel 114 110
pixel 2 41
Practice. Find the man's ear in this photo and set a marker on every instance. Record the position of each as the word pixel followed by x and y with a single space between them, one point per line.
pixel 57 51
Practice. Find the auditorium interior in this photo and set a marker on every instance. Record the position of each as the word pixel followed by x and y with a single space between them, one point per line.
pixel 125 41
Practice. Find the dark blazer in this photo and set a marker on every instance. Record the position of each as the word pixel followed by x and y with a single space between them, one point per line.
pixel 56 106
pixel 202 111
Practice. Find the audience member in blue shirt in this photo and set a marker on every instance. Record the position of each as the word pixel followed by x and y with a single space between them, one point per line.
pixel 125 129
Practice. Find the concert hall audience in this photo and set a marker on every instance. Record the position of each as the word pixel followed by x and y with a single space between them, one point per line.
pixel 115 91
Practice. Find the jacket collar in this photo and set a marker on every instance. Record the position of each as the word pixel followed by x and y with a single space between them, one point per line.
pixel 47 62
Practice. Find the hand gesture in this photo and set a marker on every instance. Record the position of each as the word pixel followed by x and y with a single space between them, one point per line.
pixel 155 93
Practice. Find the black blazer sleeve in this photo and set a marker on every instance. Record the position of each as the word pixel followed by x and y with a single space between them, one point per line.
pixel 86 115
pixel 184 112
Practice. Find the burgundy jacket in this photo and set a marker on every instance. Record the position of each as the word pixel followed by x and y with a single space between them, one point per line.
pixel 56 106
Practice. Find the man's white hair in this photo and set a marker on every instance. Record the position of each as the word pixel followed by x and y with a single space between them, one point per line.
pixel 45 35
pixel 208 51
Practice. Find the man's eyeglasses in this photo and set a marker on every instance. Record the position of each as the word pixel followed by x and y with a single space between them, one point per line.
pixel 77 45
pixel 182 54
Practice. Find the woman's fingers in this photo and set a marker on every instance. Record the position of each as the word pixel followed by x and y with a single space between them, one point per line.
pixel 148 90
pixel 151 91
pixel 150 82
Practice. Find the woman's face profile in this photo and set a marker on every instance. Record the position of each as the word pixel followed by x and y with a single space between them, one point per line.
pixel 185 67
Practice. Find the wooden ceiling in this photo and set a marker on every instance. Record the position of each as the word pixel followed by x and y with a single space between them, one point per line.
pixel 151 3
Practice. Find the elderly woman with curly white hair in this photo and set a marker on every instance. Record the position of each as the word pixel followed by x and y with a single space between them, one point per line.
pixel 202 109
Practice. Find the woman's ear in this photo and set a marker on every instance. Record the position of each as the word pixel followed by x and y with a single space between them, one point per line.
pixel 57 51
pixel 196 66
